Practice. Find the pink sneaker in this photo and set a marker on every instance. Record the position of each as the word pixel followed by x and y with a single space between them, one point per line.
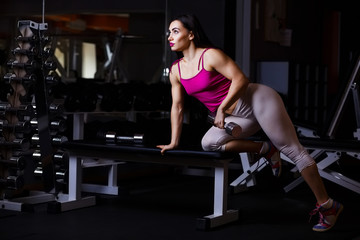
pixel 328 216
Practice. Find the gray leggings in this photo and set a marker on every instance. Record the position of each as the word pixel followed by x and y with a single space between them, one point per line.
pixel 261 108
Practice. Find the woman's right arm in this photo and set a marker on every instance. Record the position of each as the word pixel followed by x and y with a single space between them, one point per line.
pixel 177 112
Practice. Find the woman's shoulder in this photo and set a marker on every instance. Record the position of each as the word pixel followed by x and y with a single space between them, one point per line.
pixel 213 51
pixel 174 69
pixel 174 65
pixel 213 55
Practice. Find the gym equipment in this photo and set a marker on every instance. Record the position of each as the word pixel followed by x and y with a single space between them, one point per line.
pixel 21 110
pixel 231 128
pixel 325 150
pixel 15 161
pixel 333 148
pixel 59 157
pixel 80 150
pixel 20 126
pixel 54 140
pixel 13 182
pixel 18 143
pixel 112 137
pixel 57 124
pixel 27 79
pixel 55 108
pixel 59 173
pixel 32 71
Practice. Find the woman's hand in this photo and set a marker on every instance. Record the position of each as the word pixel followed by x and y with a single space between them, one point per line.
pixel 165 147
pixel 219 120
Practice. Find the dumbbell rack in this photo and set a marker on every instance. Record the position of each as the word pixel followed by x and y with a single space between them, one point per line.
pixel 33 71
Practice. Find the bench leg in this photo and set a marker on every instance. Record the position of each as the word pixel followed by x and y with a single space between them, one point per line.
pixel 221 215
pixel 334 176
pixel 72 200
pixel 25 203
pixel 247 178
pixel 111 188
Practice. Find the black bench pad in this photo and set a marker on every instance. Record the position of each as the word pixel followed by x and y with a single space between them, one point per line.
pixel 151 154
pixel 342 145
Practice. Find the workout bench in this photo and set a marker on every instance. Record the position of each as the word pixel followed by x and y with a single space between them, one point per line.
pixel 324 151
pixel 332 150
pixel 80 150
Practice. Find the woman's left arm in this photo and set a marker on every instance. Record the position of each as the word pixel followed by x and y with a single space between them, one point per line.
pixel 216 59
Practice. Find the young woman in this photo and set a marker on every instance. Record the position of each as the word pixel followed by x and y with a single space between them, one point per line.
pixel 214 79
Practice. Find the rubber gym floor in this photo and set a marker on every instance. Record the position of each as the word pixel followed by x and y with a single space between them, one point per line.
pixel 164 205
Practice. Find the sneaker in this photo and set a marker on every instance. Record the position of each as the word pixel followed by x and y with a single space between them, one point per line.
pixel 327 216
pixel 273 157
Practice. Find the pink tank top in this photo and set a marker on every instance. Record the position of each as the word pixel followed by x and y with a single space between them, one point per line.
pixel 209 87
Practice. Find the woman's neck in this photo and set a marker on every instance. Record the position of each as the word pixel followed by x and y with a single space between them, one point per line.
pixel 191 53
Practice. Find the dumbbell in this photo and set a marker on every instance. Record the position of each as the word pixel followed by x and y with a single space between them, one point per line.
pixel 57 124
pixel 59 157
pixel 13 182
pixel 20 143
pixel 231 128
pixel 15 161
pixel 28 52
pixel 20 126
pixel 112 137
pixel 29 65
pixel 55 140
pixel 28 78
pixel 24 109
pixel 60 173
pixel 56 108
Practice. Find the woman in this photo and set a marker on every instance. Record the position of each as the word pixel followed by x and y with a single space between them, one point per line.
pixel 214 79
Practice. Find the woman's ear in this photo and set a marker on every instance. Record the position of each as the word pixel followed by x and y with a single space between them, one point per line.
pixel 191 35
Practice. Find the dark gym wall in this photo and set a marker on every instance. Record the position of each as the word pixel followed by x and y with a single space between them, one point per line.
pixel 34 7
pixel 146 18
pixel 313 33
pixel 305 17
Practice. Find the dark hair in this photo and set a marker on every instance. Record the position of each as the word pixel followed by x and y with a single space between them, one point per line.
pixel 192 23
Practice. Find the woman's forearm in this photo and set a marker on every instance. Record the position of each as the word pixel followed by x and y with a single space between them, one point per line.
pixel 177 116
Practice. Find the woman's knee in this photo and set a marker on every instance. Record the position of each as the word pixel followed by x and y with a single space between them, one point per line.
pixel 209 143
pixel 300 156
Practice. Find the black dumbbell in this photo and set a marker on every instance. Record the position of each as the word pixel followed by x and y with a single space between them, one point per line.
pixel 28 78
pixel 20 126
pixel 13 182
pixel 112 137
pixel 59 173
pixel 55 140
pixel 57 124
pixel 56 108
pixel 15 161
pixel 231 128
pixel 24 109
pixel 20 143
pixel 59 157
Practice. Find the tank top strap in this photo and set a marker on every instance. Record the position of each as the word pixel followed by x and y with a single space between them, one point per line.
pixel 201 59
pixel 177 61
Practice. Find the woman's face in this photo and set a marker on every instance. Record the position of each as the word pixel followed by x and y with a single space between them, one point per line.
pixel 179 37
